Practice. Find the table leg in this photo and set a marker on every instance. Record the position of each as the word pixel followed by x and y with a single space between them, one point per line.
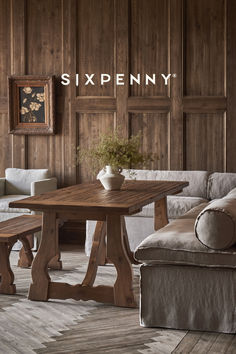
pixel 121 294
pixel 102 252
pixel 123 287
pixel 97 251
pixel 130 254
pixel 48 245
pixel 103 260
pixel 160 216
pixel 55 262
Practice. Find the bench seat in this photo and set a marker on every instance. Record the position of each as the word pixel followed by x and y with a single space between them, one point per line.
pixel 12 230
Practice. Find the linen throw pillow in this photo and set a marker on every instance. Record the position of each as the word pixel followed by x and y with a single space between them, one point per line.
pixel 215 226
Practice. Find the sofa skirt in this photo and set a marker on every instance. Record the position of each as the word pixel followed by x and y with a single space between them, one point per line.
pixel 188 297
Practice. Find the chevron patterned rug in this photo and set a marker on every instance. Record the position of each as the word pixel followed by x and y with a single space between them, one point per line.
pixel 70 326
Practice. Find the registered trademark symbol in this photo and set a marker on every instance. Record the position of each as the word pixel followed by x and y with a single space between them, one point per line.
pixel 174 75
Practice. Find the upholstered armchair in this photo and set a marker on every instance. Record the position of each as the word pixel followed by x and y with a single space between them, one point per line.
pixel 18 184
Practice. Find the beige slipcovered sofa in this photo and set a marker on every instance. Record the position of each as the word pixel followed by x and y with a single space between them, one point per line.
pixel 203 187
pixel 18 184
pixel 188 276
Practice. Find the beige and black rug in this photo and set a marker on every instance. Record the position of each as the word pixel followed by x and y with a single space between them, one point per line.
pixel 88 327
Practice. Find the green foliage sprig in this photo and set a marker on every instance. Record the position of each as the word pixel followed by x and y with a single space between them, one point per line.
pixel 114 150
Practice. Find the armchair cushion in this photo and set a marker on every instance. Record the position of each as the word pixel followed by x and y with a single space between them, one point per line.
pixel 18 181
pixel 6 199
pixel 2 186
pixel 215 226
pixel 219 184
pixel 43 186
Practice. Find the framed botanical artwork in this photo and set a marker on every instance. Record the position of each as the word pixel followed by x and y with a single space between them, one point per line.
pixel 31 105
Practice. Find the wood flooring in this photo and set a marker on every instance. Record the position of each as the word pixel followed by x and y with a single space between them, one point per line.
pixel 57 327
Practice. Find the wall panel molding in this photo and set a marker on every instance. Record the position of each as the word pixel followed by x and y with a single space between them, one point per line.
pixel 193 38
pixel 155 132
pixel 205 104
pixel 150 104
pixel 204 141
pixel 95 104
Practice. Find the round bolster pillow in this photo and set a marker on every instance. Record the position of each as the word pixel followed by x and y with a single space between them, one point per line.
pixel 215 226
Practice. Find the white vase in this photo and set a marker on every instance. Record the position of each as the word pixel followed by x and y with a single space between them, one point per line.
pixel 112 179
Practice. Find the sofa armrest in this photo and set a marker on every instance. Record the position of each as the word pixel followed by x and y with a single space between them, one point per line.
pixel 43 186
pixel 2 186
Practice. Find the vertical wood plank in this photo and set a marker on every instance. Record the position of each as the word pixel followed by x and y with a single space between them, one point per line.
pixel 44 56
pixel 176 90
pixel 69 138
pixel 5 70
pixel 122 64
pixel 204 139
pixel 148 45
pixel 231 88
pixel 154 128
pixel 91 125
pixel 204 47
pixel 18 66
pixel 5 50
pixel 95 45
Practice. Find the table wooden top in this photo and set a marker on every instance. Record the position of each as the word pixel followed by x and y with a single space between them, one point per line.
pixel 132 197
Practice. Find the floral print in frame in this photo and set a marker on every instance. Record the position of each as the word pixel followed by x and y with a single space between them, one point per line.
pixel 31 105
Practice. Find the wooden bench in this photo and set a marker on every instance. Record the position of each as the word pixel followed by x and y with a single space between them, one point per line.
pixel 19 228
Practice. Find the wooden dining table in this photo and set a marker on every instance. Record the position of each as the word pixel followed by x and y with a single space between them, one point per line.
pixel 90 201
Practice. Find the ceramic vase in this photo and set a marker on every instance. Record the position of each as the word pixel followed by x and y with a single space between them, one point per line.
pixel 112 179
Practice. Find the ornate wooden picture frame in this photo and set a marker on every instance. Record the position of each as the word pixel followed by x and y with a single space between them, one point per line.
pixel 31 105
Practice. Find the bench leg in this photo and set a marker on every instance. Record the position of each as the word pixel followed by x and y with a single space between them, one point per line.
pixel 7 276
pixel 25 254
pixel 55 262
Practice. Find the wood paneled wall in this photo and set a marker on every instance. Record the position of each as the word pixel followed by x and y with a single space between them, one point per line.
pixel 191 123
